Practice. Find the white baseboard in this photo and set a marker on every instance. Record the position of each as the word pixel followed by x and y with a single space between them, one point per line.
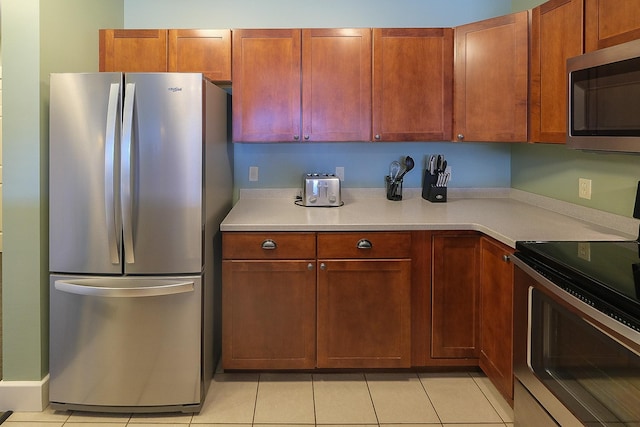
pixel 24 396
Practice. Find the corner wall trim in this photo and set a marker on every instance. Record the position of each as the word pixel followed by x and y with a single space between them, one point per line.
pixel 24 396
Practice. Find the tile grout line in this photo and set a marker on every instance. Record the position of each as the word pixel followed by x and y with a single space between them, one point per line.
pixel 255 402
pixel 373 404
pixel 429 398
pixel 489 400
pixel 313 396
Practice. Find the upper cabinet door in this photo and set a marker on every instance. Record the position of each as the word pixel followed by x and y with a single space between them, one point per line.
pixel 201 51
pixel 556 35
pixel 133 50
pixel 611 22
pixel 412 84
pixel 266 85
pixel 490 84
pixel 336 84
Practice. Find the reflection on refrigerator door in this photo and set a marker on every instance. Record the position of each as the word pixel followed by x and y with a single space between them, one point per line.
pixel 139 180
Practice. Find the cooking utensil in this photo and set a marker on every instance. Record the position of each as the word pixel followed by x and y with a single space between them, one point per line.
pixel 394 169
pixel 408 165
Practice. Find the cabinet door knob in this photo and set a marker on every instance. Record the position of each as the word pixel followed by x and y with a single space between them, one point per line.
pixel 460 137
pixel 323 266
pixel 364 244
pixel 377 136
pixel 296 137
pixel 306 137
pixel 506 258
pixel 310 266
pixel 269 244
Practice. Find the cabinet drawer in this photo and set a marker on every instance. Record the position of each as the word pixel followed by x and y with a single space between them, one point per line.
pixel 261 245
pixel 364 245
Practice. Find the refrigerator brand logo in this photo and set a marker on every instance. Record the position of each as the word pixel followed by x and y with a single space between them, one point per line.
pixel 175 89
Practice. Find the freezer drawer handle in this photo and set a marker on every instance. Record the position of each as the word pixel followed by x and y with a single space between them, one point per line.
pixel 87 287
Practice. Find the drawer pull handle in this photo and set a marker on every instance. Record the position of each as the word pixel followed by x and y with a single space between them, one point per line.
pixel 506 258
pixel 364 244
pixel 269 244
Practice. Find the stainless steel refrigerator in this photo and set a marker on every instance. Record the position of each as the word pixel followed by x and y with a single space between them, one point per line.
pixel 139 181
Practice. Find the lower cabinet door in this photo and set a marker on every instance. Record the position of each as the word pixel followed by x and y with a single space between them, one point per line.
pixel 455 326
pixel 496 315
pixel 269 314
pixel 364 316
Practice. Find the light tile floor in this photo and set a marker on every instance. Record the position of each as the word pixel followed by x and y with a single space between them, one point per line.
pixel 301 399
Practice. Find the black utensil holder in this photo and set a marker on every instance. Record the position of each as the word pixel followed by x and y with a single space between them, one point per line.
pixel 393 188
pixel 430 191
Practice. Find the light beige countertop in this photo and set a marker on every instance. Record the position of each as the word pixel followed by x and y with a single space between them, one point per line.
pixel 507 215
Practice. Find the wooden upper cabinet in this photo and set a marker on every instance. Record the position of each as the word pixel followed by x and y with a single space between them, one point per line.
pixel 611 22
pixel 302 85
pixel 266 68
pixel 336 84
pixel 491 84
pixel 201 51
pixel 556 35
pixel 412 84
pixel 133 50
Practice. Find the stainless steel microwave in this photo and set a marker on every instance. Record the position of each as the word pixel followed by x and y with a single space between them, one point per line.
pixel 604 99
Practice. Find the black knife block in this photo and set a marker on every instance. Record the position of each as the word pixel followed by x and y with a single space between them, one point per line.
pixel 429 190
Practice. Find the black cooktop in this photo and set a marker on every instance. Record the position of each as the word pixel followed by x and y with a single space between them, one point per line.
pixel 606 274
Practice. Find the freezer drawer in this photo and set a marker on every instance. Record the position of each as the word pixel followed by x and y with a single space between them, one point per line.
pixel 125 344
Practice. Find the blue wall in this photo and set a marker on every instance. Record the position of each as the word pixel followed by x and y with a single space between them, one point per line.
pixel 281 165
pixel 366 164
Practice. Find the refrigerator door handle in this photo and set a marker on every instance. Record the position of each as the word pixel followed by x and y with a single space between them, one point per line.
pixel 109 168
pixel 88 287
pixel 125 182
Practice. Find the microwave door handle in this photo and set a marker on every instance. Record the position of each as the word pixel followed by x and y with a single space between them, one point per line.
pixel 125 181
pixel 80 287
pixel 109 169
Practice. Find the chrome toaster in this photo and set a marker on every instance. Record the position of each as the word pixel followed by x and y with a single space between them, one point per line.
pixel 320 189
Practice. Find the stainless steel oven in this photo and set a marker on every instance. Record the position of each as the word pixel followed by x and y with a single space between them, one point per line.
pixel 577 334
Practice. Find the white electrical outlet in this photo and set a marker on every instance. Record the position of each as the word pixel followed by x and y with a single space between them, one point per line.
pixel 340 172
pixel 584 188
pixel 253 173
pixel 584 251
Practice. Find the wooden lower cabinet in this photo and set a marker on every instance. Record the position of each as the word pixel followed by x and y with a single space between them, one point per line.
pixel 352 300
pixel 455 327
pixel 359 285
pixel 269 300
pixel 364 299
pixel 364 316
pixel 269 314
pixel 496 315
